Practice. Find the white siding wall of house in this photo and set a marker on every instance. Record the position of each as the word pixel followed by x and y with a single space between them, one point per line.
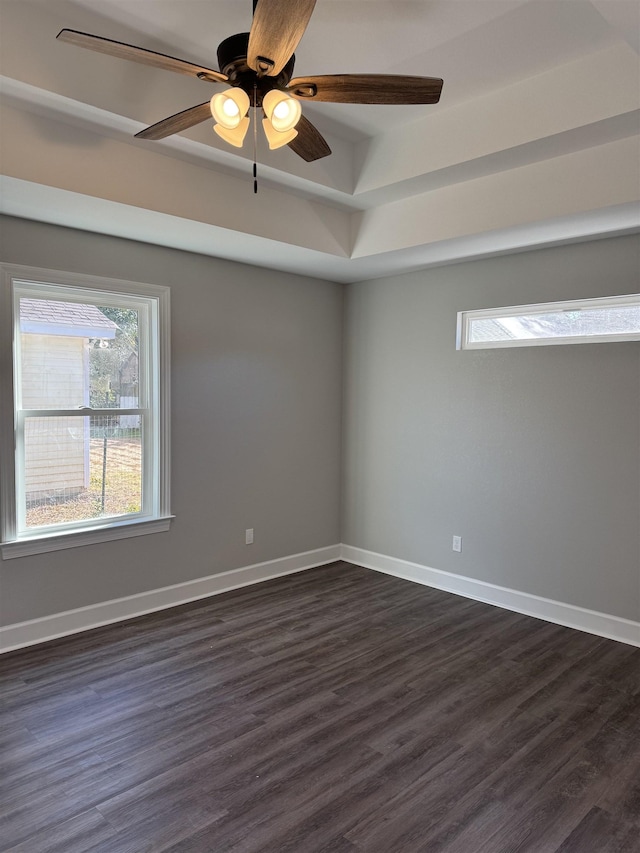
pixel 54 375
pixel 54 359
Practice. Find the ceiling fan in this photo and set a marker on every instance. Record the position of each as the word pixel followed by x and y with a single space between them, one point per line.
pixel 258 67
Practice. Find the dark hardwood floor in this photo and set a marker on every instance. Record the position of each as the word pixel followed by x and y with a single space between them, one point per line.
pixel 336 710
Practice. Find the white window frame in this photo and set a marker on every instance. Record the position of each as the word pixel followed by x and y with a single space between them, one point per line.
pixel 465 317
pixel 155 515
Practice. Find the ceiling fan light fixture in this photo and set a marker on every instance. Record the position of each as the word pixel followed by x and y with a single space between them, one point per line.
pixel 235 135
pixel 276 138
pixel 258 68
pixel 228 108
pixel 282 111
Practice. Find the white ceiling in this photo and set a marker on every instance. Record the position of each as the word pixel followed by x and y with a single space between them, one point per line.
pixel 535 140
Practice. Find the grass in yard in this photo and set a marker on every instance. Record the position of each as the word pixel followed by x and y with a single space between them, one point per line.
pixel 123 486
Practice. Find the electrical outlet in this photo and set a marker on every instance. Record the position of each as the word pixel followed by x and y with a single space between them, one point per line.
pixel 457 543
pixel 248 536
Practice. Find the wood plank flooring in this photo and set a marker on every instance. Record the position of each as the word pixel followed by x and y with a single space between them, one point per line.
pixel 333 711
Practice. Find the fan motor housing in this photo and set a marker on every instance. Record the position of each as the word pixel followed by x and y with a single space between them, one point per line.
pixel 232 61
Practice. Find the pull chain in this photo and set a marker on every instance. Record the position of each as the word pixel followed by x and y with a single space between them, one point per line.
pixel 255 138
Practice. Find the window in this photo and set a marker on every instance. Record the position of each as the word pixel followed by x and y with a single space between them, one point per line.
pixel 612 318
pixel 85 457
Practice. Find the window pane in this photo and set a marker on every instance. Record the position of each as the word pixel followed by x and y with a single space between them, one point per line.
pixel 75 354
pixel 79 468
pixel 81 344
pixel 562 324
pixel 564 321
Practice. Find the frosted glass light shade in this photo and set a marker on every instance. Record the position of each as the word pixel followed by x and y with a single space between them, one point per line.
pixel 275 138
pixel 229 107
pixel 282 111
pixel 235 135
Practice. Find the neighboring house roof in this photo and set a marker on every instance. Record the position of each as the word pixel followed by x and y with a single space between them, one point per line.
pixel 563 323
pixel 606 321
pixel 488 329
pixel 73 319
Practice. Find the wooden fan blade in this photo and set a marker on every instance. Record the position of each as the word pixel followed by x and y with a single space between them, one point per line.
pixel 278 26
pixel 309 143
pixel 176 123
pixel 367 88
pixel 140 54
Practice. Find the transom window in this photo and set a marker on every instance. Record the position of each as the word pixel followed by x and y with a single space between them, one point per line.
pixel 613 318
pixel 89 395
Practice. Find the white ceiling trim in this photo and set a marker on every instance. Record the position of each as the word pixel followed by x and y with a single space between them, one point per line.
pixel 61 207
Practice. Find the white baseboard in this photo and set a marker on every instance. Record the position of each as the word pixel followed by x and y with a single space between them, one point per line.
pixel 591 621
pixel 34 631
pixel 22 634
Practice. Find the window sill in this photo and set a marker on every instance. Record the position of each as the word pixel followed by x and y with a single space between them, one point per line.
pixel 77 538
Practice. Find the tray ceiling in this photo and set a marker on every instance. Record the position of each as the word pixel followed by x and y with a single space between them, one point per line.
pixel 535 140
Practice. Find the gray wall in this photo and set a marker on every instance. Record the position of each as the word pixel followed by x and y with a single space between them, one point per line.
pixel 532 455
pixel 256 399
